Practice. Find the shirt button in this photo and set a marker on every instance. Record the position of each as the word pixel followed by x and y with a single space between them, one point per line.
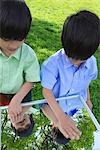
pixel 72 90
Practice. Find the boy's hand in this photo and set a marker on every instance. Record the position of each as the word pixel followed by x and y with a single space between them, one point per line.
pixel 15 111
pixel 68 128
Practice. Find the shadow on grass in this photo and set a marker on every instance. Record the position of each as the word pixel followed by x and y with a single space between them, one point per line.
pixel 44 38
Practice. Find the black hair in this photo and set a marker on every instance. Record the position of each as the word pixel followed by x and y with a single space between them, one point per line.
pixel 25 132
pixel 59 137
pixel 15 19
pixel 81 35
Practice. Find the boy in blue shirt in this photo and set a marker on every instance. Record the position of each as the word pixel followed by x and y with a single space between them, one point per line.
pixel 19 67
pixel 70 71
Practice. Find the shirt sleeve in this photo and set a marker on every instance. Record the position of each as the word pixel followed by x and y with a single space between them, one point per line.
pixel 94 73
pixel 32 69
pixel 49 73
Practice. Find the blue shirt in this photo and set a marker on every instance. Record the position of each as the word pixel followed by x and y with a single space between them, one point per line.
pixel 64 78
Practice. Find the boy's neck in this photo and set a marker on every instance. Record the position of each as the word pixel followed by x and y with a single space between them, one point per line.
pixel 76 63
pixel 7 52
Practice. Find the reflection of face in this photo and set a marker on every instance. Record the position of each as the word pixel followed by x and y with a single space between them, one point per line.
pixel 76 62
pixel 8 47
pixel 24 124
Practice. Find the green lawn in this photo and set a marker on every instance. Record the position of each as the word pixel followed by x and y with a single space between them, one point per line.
pixel 44 37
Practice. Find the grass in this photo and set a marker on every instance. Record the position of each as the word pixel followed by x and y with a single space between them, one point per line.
pixel 44 37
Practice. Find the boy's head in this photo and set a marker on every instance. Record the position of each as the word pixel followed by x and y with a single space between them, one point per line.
pixel 81 35
pixel 15 20
pixel 25 127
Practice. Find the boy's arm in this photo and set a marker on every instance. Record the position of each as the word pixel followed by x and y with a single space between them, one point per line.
pixel 15 108
pixel 88 99
pixel 65 124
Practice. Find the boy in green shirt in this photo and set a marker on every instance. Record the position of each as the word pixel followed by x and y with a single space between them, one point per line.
pixel 19 67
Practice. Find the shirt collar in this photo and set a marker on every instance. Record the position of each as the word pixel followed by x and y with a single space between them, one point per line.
pixel 1 52
pixel 67 62
pixel 86 64
pixel 16 54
